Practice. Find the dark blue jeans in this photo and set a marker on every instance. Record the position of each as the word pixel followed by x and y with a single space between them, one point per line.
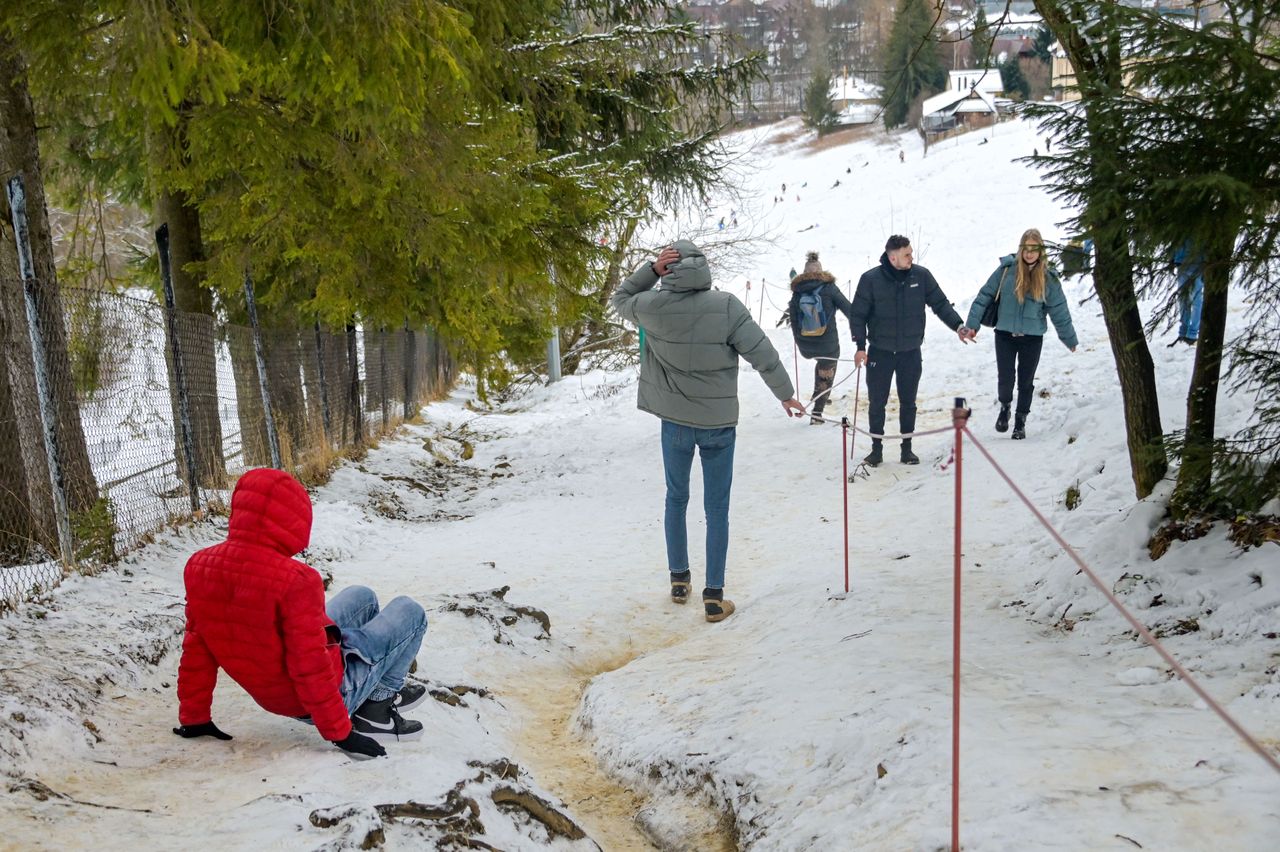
pixel 715 446
pixel 377 644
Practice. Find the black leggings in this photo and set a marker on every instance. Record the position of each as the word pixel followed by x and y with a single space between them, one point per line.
pixel 824 375
pixel 1025 351
pixel 882 366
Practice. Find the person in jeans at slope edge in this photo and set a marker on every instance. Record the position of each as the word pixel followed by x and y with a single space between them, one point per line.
pixel 689 379
pixel 260 616
pixel 1188 263
pixel 888 327
pixel 823 345
pixel 1028 295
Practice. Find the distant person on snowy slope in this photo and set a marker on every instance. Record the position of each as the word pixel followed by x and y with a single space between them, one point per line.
pixel 260 616
pixel 815 298
pixel 1027 291
pixel 689 379
pixel 888 309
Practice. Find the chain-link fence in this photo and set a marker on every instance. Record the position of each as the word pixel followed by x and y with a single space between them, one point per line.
pixel 114 404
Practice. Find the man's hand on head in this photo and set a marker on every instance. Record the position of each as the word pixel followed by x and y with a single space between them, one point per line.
pixel 667 258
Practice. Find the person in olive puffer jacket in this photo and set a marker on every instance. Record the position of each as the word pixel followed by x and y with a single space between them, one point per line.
pixel 888 326
pixel 823 348
pixel 1028 291
pixel 689 379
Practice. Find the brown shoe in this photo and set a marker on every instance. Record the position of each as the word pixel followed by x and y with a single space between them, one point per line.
pixel 715 605
pixel 681 586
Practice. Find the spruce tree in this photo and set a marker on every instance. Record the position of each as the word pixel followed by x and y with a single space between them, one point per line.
pixel 819 109
pixel 911 63
pixel 981 40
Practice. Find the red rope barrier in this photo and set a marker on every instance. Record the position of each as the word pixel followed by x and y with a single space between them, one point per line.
pixel 1133 622
pixel 959 416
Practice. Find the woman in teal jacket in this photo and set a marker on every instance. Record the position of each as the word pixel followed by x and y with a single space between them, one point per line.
pixel 1029 291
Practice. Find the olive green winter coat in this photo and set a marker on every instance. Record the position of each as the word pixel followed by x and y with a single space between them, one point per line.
pixel 693 338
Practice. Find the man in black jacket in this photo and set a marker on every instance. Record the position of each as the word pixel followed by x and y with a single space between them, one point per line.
pixel 888 307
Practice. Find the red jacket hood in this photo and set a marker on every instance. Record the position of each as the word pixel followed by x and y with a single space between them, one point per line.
pixel 271 508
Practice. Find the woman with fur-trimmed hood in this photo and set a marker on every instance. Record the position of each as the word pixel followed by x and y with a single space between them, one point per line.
pixel 824 347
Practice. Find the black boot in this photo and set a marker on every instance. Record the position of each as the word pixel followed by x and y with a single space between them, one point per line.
pixel 1002 419
pixel 876 456
pixel 1019 426
pixel 908 457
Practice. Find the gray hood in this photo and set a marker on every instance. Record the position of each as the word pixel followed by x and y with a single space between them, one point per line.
pixel 691 272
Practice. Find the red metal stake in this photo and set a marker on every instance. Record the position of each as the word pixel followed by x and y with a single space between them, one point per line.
pixel 959 416
pixel 844 455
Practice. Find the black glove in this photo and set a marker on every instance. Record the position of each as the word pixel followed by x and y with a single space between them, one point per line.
pixel 207 729
pixel 361 746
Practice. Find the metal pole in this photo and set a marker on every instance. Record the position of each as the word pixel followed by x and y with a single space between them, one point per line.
pixel 382 374
pixel 48 416
pixel 324 386
pixel 958 416
pixel 553 356
pixel 553 345
pixel 179 367
pixel 410 362
pixel 353 361
pixel 273 439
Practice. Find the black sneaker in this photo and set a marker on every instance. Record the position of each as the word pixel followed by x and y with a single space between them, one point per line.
pixel 716 607
pixel 681 585
pixel 907 456
pixel 381 721
pixel 410 696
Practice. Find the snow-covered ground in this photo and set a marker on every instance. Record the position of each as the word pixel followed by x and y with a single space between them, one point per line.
pixel 811 719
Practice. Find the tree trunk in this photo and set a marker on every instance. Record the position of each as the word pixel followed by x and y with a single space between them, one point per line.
pixel 597 323
pixel 196 336
pixel 1196 473
pixel 1113 280
pixel 1099 74
pixel 20 154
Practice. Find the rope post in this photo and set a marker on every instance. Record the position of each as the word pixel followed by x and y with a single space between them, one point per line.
pixel 844 479
pixel 959 417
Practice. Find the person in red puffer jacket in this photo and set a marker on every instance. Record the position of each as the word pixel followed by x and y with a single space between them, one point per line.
pixel 260 615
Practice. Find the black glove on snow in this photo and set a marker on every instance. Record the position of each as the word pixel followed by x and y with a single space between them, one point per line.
pixel 207 729
pixel 361 746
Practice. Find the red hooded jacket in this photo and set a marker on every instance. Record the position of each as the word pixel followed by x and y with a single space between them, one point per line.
pixel 258 614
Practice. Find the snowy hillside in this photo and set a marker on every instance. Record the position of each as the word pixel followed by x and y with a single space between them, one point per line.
pixel 811 719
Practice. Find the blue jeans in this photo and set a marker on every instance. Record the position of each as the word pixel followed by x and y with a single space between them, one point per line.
pixel 377 645
pixel 715 446
pixel 1191 297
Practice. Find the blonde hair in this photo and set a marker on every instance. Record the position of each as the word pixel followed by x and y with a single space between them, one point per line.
pixel 1030 281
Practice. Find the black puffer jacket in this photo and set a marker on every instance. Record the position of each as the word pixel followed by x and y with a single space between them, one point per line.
pixel 826 345
pixel 889 304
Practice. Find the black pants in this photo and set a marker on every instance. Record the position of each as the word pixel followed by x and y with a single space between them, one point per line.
pixel 824 375
pixel 1020 355
pixel 882 366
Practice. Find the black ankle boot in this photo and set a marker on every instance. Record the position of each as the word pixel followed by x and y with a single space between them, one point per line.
pixel 1019 426
pixel 876 456
pixel 1002 419
pixel 908 457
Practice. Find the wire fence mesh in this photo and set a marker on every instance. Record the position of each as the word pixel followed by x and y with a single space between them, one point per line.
pixel 116 409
